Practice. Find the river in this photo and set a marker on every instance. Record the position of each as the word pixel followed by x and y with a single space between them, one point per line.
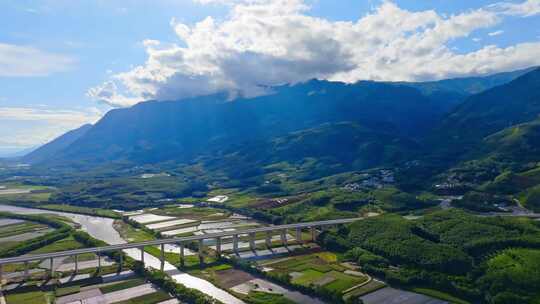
pixel 102 228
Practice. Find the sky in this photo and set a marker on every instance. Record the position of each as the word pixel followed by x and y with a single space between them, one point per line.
pixel 65 63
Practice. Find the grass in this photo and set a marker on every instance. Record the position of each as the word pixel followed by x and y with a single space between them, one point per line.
pixel 33 297
pixel 130 233
pixel 81 210
pixel 151 298
pixel 122 285
pixel 68 243
pixel 256 297
pixel 440 295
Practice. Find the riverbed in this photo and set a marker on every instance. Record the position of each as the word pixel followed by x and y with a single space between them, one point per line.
pixel 102 229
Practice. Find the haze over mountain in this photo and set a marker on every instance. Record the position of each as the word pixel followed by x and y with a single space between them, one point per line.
pixel 50 149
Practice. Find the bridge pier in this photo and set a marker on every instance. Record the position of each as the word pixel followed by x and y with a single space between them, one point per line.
pixel 284 237
pixel 201 253
pixel 252 241
pixel 182 254
pixel 1 277
pixel 51 271
pixel 218 246
pixel 76 264
pixel 120 267
pixel 26 270
pixel 162 257
pixel 99 262
pixel 235 243
pixel 313 233
pixel 298 235
pixel 142 254
pixel 269 239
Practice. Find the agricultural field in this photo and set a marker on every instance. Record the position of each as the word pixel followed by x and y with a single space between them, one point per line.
pixel 317 270
pixel 18 231
pixel 132 290
pixel 26 193
pixel 21 228
pixel 252 289
pixel 185 220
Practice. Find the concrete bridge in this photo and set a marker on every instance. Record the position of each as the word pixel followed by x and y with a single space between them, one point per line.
pixel 181 241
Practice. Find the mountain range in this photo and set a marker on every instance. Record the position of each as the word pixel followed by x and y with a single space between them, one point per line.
pixel 469 123
pixel 162 130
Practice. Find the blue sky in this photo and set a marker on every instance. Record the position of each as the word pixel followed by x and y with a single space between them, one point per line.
pixel 64 63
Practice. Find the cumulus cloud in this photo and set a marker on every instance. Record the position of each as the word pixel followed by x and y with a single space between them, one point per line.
pixel 25 61
pixel 26 127
pixel 271 42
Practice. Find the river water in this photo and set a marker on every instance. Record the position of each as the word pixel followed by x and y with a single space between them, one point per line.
pixel 102 229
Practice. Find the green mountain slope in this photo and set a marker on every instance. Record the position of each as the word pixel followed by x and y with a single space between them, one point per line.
pixel 321 151
pixel 181 130
pixel 491 111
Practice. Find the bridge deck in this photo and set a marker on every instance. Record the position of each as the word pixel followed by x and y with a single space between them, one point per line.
pixel 39 257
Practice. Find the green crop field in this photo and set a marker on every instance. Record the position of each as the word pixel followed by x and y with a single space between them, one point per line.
pixel 307 277
pixel 318 269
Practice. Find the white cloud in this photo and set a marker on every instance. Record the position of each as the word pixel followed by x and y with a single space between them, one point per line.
pixel 496 33
pixel 25 61
pixel 26 127
pixel 270 42
pixel 524 9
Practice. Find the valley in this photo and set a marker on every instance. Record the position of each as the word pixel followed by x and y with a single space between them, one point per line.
pixel 444 200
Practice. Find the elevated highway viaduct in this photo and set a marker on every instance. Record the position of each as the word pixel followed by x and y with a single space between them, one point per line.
pixel 181 242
